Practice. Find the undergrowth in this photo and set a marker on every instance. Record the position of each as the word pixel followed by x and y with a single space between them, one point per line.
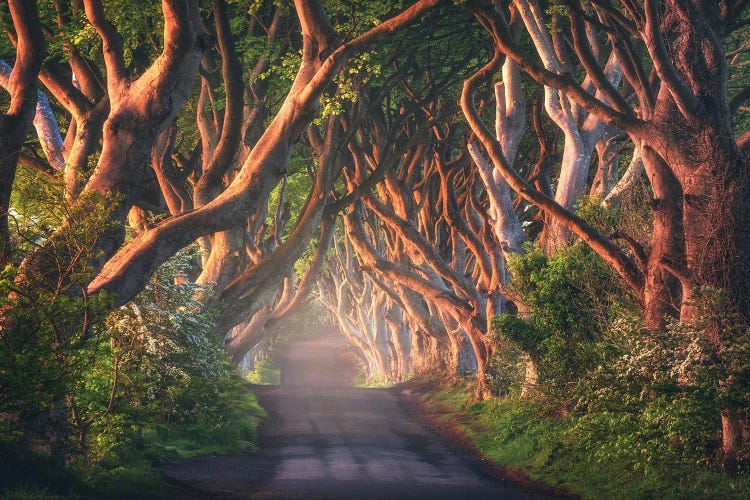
pixel 96 412
pixel 594 456
pixel 265 372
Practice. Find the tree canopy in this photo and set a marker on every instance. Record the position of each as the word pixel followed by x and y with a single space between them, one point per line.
pixel 547 195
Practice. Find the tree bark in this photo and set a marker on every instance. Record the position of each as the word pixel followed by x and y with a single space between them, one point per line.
pixel 695 163
pixel 15 123
pixel 127 271
pixel 45 123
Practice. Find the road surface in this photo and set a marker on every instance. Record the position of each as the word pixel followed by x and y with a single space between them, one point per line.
pixel 326 440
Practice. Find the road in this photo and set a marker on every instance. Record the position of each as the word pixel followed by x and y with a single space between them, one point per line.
pixel 326 440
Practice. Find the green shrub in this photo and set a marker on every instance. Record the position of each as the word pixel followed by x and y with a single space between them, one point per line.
pixel 177 384
pixel 102 395
pixel 671 384
pixel 264 372
pixel 569 296
pixel 600 454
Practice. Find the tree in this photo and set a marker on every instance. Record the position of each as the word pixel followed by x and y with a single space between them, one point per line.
pixel 701 189
pixel 125 273
pixel 15 123
pixel 133 114
pixel 128 127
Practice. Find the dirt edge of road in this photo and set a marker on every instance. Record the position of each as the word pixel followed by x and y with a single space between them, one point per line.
pixel 408 396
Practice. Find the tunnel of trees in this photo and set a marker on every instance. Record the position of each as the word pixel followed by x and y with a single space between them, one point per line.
pixel 553 196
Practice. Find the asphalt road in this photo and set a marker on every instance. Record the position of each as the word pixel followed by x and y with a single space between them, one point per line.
pixel 326 440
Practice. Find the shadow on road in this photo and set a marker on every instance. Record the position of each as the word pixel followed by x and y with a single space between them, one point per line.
pixel 325 440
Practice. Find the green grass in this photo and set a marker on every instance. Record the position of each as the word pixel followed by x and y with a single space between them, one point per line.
pixel 27 492
pixel 265 373
pixel 238 435
pixel 132 470
pixel 128 481
pixel 552 450
pixel 377 381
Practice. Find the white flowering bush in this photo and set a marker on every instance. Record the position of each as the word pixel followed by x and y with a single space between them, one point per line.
pixel 661 392
pixel 175 381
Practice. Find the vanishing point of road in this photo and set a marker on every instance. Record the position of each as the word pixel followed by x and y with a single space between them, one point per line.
pixel 324 440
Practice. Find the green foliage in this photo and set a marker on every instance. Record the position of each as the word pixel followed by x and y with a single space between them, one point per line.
pixel 49 336
pixel 374 381
pixel 568 294
pixel 604 454
pixel 506 369
pixel 636 403
pixel 739 76
pixel 264 372
pixel 354 18
pixel 361 70
pixel 108 393
pixel 622 401
pixel 178 392
pixel 140 25
pixel 663 390
pixel 605 220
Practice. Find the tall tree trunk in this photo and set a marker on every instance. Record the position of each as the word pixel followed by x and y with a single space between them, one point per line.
pixel 581 129
pixel 15 124
pixel 663 292
pixel 628 179
pixel 717 251
pixel 606 176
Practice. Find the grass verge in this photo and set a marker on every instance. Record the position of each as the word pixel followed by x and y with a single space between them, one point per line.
pixel 131 469
pixel 265 372
pixel 561 453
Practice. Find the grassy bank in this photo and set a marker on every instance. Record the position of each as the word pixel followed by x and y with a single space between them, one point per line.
pixel 265 372
pixel 128 465
pixel 594 456
pixel 95 412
